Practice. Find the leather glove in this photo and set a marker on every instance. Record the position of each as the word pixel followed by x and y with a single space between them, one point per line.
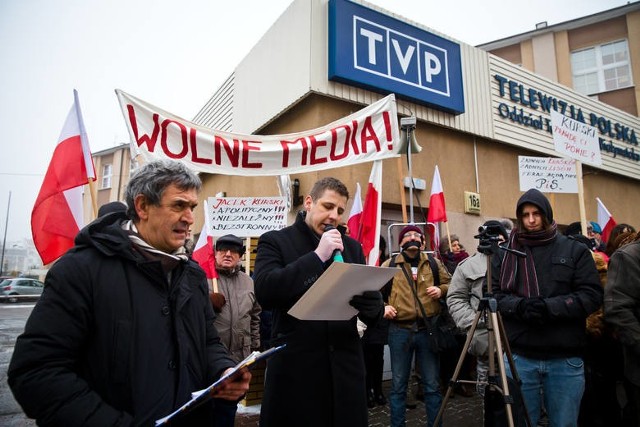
pixel 369 305
pixel 533 310
pixel 217 301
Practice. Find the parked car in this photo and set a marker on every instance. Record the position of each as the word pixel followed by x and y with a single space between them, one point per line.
pixel 20 288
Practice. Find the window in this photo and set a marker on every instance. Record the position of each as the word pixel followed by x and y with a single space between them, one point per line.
pixel 106 176
pixel 601 68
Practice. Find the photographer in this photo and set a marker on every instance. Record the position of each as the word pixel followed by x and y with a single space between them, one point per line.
pixel 466 291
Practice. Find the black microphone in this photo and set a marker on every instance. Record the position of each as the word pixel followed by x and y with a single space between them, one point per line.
pixel 337 255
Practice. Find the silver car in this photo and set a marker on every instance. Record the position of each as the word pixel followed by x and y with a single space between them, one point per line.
pixel 20 288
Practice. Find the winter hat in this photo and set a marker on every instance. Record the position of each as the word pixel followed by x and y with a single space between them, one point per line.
pixel 494 226
pixel 111 207
pixel 535 197
pixel 573 229
pixel 596 227
pixel 408 229
pixel 229 241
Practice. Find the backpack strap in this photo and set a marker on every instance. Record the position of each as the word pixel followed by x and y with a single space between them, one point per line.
pixel 434 270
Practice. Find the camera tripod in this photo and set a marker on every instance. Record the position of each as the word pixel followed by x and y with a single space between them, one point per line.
pixel 498 344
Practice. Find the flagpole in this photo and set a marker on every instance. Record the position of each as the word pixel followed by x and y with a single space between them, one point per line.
pixel 4 240
pixel 85 145
pixel 446 223
pixel 583 215
pixel 403 197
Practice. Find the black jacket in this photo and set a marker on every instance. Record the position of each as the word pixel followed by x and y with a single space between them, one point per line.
pixel 110 342
pixel 319 378
pixel 570 286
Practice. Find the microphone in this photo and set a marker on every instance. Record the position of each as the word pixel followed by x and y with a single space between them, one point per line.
pixel 337 255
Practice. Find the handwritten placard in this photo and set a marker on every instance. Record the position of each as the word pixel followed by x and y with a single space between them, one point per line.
pixel 548 174
pixel 246 216
pixel 575 139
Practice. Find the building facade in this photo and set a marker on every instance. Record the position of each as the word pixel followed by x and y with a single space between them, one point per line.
pixel 113 167
pixel 479 110
pixel 596 55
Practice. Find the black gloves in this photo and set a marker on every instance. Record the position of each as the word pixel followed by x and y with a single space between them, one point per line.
pixel 533 310
pixel 369 305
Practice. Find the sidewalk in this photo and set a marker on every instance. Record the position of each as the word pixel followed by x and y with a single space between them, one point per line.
pixel 460 412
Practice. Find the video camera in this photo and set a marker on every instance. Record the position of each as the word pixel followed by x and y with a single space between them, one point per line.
pixel 489 236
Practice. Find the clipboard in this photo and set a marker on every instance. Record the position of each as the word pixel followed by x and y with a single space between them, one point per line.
pixel 328 298
pixel 201 396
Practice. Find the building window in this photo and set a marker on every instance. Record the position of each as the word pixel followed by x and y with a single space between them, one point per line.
pixel 106 176
pixel 601 68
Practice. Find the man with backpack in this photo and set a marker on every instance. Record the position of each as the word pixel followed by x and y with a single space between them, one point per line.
pixel 413 298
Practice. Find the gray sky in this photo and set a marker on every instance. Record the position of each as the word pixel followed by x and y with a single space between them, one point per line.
pixel 173 54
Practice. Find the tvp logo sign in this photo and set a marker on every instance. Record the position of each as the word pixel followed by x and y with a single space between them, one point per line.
pixel 380 53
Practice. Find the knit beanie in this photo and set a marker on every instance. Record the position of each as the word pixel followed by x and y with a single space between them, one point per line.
pixel 408 229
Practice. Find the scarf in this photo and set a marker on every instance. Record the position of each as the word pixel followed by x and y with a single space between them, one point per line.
pixel 527 286
pixel 168 261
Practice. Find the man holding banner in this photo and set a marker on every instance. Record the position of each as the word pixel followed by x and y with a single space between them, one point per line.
pixel 319 378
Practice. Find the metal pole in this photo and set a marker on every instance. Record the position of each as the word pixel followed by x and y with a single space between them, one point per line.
pixel 4 240
pixel 409 130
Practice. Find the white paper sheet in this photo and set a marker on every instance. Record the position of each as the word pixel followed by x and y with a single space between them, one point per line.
pixel 328 298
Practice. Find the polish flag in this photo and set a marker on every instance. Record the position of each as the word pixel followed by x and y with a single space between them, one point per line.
pixel 437 211
pixel 203 251
pixel 605 220
pixel 369 235
pixel 355 216
pixel 57 215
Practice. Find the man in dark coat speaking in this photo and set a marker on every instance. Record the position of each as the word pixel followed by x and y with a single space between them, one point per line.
pixel 123 332
pixel 319 378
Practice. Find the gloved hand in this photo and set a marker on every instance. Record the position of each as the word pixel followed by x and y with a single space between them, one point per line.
pixel 369 305
pixel 329 241
pixel 533 310
pixel 217 301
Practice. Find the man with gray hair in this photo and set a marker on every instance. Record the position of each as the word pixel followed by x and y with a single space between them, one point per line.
pixel 123 332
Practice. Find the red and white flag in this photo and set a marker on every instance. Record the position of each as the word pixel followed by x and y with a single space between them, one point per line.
pixel 605 220
pixel 57 215
pixel 369 235
pixel 203 252
pixel 437 211
pixel 355 216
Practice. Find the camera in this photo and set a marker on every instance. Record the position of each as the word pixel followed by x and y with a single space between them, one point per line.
pixel 488 232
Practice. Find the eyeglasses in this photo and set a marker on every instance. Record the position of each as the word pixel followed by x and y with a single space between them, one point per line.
pixel 412 234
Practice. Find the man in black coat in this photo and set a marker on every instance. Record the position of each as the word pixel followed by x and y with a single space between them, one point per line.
pixel 319 378
pixel 544 299
pixel 123 332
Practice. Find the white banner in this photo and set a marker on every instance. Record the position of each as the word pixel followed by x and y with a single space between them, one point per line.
pixel 369 134
pixel 575 139
pixel 246 216
pixel 548 174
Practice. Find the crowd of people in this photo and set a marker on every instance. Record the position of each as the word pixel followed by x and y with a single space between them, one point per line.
pixel 128 324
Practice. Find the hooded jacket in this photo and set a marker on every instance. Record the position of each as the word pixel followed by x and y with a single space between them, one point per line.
pixel 569 286
pixel 112 342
